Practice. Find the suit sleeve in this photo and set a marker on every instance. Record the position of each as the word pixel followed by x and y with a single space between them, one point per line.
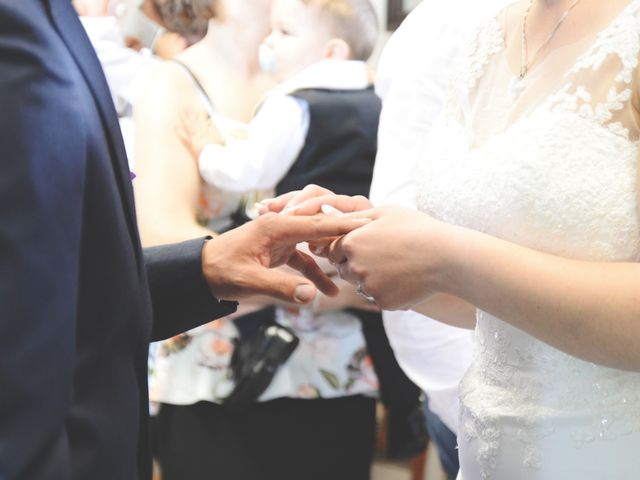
pixel 180 297
pixel 41 194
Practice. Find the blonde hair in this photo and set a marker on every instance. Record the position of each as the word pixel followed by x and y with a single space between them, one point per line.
pixel 354 21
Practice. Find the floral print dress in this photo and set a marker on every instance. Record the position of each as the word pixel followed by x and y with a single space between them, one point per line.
pixel 330 361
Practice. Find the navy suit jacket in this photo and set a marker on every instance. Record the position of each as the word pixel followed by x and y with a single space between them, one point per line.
pixel 76 290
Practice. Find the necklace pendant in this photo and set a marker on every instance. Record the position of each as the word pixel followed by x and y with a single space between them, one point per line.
pixel 516 88
pixel 523 72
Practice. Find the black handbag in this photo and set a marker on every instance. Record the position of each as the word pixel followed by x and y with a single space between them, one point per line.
pixel 256 360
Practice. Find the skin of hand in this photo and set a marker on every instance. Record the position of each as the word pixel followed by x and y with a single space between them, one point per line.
pixel 196 131
pixel 312 200
pixel 389 275
pixel 347 298
pixel 240 263
pixel 133 43
pixel 405 271
pixel 168 45
pixel 309 201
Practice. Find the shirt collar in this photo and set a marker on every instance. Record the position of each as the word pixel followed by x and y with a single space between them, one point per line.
pixel 330 74
pixel 102 29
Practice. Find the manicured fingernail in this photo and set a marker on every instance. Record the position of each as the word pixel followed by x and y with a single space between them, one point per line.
pixel 329 210
pixel 260 208
pixel 317 250
pixel 304 293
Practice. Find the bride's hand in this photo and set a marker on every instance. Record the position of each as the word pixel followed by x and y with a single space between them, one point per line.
pixel 310 201
pixel 397 258
pixel 347 298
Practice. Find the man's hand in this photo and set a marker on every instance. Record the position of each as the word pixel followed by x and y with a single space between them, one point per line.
pixel 312 200
pixel 398 275
pixel 238 264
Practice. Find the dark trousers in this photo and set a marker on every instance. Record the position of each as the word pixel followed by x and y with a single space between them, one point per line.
pixel 445 442
pixel 283 439
pixel 397 392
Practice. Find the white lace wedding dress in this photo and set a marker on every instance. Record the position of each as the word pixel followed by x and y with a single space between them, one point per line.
pixel 549 162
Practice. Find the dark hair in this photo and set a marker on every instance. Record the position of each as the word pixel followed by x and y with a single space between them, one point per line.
pixel 189 18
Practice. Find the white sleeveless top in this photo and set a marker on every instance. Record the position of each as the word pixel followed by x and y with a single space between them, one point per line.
pixel 550 163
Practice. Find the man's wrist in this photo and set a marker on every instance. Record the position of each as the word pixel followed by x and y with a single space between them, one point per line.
pixel 208 268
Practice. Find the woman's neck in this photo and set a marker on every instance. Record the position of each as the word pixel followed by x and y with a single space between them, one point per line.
pixel 226 63
pixel 553 3
pixel 227 44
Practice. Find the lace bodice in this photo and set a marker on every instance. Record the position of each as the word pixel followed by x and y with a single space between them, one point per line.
pixel 551 164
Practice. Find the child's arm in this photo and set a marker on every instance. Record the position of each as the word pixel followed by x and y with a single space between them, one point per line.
pixel 260 160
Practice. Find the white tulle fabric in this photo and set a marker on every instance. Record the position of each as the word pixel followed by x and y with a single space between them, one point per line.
pixel 549 162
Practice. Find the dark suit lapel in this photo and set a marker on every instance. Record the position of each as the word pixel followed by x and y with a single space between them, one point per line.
pixel 72 33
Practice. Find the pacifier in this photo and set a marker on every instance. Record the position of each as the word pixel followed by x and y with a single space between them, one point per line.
pixel 267 58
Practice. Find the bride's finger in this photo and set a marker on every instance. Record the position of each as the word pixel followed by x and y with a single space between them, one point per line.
pixel 309 192
pixel 276 204
pixel 335 253
pixel 345 272
pixel 303 263
pixel 321 247
pixel 290 200
pixel 330 204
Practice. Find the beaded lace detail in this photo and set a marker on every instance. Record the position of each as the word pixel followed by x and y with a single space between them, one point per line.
pixel 472 62
pixel 488 42
pixel 615 52
pixel 561 178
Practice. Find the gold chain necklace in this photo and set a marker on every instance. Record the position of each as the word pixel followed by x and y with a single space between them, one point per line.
pixel 524 63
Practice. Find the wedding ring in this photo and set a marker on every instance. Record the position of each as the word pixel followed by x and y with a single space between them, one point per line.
pixel 360 291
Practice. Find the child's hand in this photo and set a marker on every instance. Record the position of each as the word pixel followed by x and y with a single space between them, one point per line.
pixel 168 45
pixel 197 131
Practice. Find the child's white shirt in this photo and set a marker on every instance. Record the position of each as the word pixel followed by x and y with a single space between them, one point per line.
pixel 263 155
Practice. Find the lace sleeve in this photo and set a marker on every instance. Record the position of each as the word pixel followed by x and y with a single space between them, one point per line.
pixel 603 84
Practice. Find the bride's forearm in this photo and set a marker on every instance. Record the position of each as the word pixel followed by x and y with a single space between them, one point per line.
pixel 448 309
pixel 588 309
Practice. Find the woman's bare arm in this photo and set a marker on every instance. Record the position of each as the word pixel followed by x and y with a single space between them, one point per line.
pixel 588 309
pixel 448 309
pixel 167 182
pixel 405 258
